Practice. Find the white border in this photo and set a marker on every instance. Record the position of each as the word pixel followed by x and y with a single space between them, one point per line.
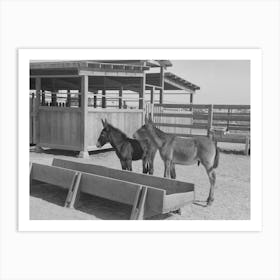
pixel 254 55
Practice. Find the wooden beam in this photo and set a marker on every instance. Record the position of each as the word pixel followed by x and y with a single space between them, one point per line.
pixel 84 116
pixel 103 98
pixel 152 95
pixel 161 82
pixel 95 99
pixel 74 191
pixel 36 111
pixel 142 92
pixel 110 73
pixel 120 97
pixel 191 98
pixel 210 119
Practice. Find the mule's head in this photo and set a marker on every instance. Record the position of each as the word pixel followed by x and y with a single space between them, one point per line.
pixel 104 135
pixel 143 133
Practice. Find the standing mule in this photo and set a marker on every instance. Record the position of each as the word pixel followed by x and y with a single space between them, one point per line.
pixel 185 151
pixel 127 149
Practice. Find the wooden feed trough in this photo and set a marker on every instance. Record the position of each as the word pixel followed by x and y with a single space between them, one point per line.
pixel 148 195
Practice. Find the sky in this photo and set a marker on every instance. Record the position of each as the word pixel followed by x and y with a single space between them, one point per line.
pixel 220 81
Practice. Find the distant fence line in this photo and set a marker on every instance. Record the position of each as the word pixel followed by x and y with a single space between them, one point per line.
pixel 226 123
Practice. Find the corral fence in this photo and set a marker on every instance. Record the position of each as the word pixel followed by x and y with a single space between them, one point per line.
pixel 225 123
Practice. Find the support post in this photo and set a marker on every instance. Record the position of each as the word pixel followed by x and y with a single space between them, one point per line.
pixel 152 95
pixel 74 191
pixel 210 119
pixel 120 97
pixel 84 117
pixel 161 82
pixel 54 99
pixel 103 98
pixel 36 111
pixel 142 91
pixel 191 98
pixel 95 99
pixel 68 100
pixel 43 98
pixel 247 145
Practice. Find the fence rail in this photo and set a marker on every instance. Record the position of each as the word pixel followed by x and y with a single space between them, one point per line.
pixel 227 123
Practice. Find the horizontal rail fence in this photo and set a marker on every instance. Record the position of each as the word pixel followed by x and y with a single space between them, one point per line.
pixel 228 123
pixel 95 100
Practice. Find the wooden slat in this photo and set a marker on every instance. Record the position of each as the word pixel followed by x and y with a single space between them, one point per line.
pixel 112 189
pixel 140 214
pixel 226 106
pixel 241 140
pixel 184 106
pixel 134 211
pixel 52 175
pixel 224 117
pixel 170 186
pixel 74 191
pixel 195 126
pixel 174 115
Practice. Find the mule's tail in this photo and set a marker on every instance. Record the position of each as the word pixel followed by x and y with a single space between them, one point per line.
pixel 217 156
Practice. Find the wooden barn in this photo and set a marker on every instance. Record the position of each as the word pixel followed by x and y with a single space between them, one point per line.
pixel 68 99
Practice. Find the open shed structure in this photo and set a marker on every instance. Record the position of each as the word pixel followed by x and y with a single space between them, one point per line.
pixel 69 98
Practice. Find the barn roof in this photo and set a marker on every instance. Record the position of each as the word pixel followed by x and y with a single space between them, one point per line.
pixel 109 74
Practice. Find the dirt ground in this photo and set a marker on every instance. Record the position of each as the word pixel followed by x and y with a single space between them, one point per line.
pixel 232 193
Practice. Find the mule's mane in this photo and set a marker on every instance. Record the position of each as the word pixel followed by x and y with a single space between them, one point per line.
pixel 122 134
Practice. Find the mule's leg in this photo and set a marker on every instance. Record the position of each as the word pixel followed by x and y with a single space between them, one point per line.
pixel 167 164
pixel 144 168
pixel 212 178
pixel 172 171
pixel 129 165
pixel 151 162
pixel 123 164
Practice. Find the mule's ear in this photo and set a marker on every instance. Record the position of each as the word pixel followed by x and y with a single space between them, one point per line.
pixel 103 123
pixel 149 120
pixel 146 119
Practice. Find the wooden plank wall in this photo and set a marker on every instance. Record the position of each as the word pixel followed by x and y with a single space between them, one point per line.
pixel 127 121
pixel 60 128
pixel 173 120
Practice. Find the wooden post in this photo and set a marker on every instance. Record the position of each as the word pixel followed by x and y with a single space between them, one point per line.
pixel 120 97
pixel 161 83
pixel 74 191
pixel 138 207
pixel 134 211
pixel 103 98
pixel 68 100
pixel 152 95
pixel 54 99
pixel 84 117
pixel 210 119
pixel 36 111
pixel 191 98
pixel 95 98
pixel 142 91
pixel 43 98
pixel 142 203
pixel 247 145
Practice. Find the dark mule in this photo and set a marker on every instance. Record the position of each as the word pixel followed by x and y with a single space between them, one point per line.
pixel 127 149
pixel 185 151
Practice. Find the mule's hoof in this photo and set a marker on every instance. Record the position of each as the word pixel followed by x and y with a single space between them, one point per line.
pixel 210 201
pixel 178 211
